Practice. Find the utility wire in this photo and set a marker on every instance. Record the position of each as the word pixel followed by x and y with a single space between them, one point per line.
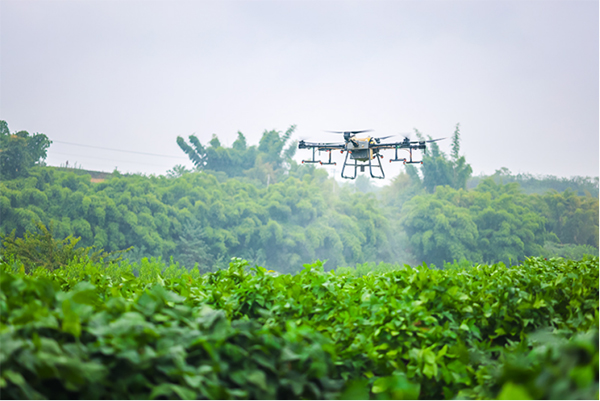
pixel 103 158
pixel 119 150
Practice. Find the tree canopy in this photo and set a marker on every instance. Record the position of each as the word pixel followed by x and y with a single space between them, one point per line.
pixel 266 162
pixel 20 151
pixel 439 169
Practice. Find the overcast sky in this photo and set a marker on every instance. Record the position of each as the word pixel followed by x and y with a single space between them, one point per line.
pixel 521 77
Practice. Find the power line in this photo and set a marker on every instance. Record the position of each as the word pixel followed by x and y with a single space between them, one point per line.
pixel 118 150
pixel 103 158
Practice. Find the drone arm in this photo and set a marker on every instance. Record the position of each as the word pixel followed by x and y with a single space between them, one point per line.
pixel 396 145
pixel 327 147
pixel 320 146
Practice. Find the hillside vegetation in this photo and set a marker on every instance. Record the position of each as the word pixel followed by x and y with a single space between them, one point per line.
pixel 277 214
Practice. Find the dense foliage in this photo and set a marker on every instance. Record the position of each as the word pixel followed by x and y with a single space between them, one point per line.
pixel 93 330
pixel 255 202
pixel 493 222
pixel 199 219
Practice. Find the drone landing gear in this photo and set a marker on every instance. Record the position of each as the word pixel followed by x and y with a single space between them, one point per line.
pixel 410 161
pixel 344 167
pixel 382 176
pixel 362 167
pixel 329 163
pixel 319 161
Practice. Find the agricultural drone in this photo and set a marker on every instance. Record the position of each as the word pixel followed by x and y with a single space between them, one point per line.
pixel 364 149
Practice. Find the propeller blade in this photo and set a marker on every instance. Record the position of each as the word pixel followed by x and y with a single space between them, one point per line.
pixel 350 132
pixel 384 137
pixel 379 139
pixel 435 140
pixel 406 136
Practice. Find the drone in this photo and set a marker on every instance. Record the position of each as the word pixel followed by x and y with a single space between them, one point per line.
pixel 364 150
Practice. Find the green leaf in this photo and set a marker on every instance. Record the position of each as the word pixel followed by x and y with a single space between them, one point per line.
pixel 430 370
pixel 429 356
pixel 84 293
pixel 442 352
pixel 397 387
pixel 539 303
pixel 499 332
pixel 128 276
pixel 259 378
pixel 512 391
pixel 17 379
pixel 168 390
pixel 380 385
pixel 288 355
pixel 71 323
pixel 356 389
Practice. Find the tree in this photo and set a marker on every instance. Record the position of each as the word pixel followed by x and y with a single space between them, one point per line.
pixel 273 154
pixel 177 171
pixel 573 218
pixel 509 227
pixel 40 248
pixel 192 248
pixel 20 151
pixel 272 145
pixel 197 155
pixel 439 230
pixel 439 170
pixel 490 224
pixel 461 171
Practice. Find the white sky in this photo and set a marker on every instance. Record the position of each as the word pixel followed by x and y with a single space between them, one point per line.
pixel 521 77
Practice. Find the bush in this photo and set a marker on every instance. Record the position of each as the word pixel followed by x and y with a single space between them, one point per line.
pixel 41 249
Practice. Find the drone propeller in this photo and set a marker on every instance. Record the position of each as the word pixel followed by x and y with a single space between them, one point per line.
pixel 406 135
pixel 348 135
pixel 434 140
pixel 379 139
pixel 350 132
pixel 407 139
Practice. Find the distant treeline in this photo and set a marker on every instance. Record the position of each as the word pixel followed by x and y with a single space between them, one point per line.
pixel 197 218
pixel 278 214
pixel 531 184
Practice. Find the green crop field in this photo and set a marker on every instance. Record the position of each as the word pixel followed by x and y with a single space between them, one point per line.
pixel 152 330
pixel 403 236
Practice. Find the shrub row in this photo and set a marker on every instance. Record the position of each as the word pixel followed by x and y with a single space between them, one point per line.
pixel 93 330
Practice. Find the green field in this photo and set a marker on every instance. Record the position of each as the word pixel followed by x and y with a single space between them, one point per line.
pixel 499 296
pixel 153 330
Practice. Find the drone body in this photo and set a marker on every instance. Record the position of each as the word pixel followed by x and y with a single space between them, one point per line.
pixel 364 150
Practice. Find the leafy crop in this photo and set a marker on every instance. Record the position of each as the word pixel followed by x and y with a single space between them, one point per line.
pixel 72 345
pixel 91 330
pixel 554 369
